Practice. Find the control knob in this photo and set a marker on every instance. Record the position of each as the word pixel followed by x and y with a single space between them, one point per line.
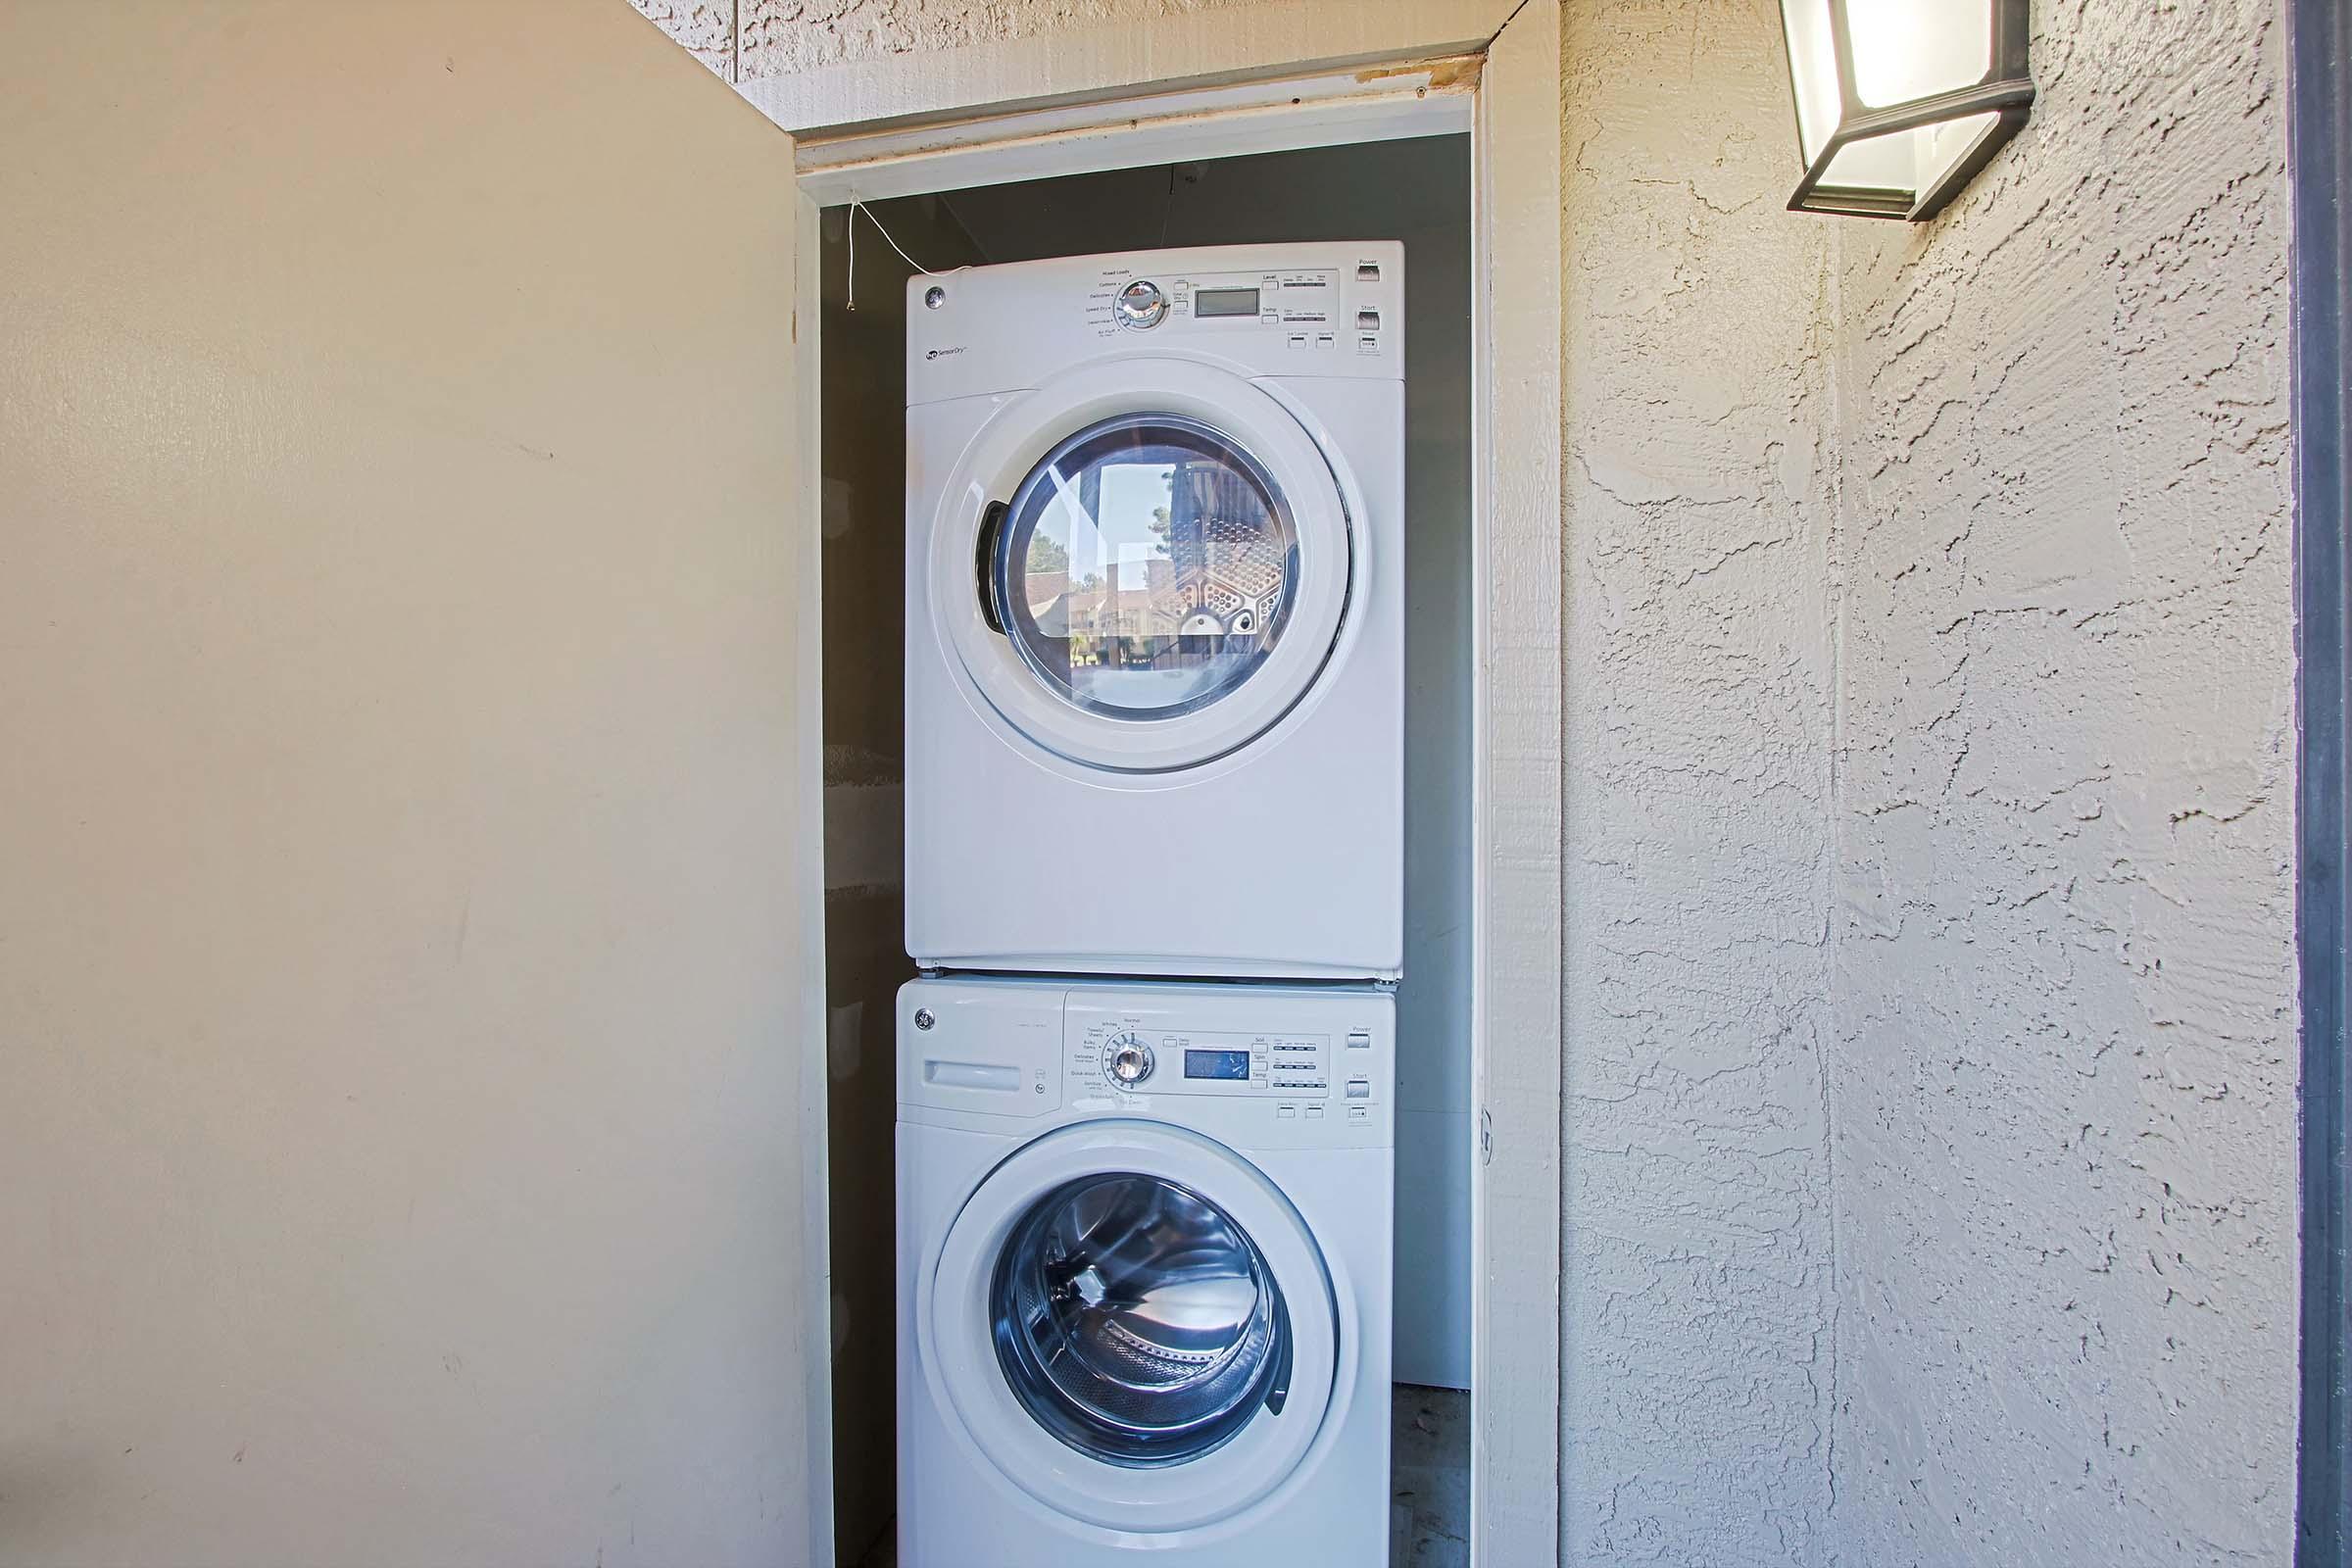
pixel 1128 1061
pixel 1141 303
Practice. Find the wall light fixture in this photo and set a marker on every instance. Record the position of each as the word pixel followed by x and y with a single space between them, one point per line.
pixel 1900 102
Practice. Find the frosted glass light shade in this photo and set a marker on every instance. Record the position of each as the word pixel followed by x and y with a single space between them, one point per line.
pixel 1900 102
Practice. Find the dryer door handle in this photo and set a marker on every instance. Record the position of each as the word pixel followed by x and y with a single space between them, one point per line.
pixel 984 564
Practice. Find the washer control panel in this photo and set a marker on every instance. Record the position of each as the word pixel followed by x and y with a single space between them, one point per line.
pixel 1202 1062
pixel 1258 1065
pixel 1289 1065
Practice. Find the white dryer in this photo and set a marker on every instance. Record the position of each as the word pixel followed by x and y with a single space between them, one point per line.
pixel 1144 1258
pixel 1154 614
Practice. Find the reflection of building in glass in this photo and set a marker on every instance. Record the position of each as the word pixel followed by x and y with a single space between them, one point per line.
pixel 1108 607
pixel 1220 574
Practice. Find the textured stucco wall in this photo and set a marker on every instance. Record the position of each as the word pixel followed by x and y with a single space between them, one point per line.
pixel 744 40
pixel 2065 1091
pixel 2048 435
pixel 1697 706
pixel 780 38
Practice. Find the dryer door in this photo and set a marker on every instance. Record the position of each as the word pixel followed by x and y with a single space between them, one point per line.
pixel 1134 1327
pixel 1144 564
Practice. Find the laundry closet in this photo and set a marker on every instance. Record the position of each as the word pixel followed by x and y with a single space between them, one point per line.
pixel 1144 679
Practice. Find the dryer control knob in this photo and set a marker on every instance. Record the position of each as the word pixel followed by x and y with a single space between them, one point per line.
pixel 1141 303
pixel 1129 1060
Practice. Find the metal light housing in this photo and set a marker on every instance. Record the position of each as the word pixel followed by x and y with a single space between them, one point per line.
pixel 1899 103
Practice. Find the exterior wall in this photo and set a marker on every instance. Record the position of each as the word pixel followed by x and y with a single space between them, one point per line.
pixel 786 37
pixel 1696 1361
pixel 2050 430
pixel 809 64
pixel 398 827
pixel 2065 1101
pixel 750 41
pixel 704 28
pixel 744 40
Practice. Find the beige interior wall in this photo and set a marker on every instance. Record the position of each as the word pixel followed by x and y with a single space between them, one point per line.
pixel 399 1148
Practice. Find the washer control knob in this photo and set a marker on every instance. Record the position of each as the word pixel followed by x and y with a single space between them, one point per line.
pixel 1128 1061
pixel 1141 303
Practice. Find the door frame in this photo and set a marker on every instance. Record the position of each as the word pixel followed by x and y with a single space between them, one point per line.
pixel 925 121
pixel 2320 146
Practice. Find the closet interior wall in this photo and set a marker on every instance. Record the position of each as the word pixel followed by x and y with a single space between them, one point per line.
pixel 864 470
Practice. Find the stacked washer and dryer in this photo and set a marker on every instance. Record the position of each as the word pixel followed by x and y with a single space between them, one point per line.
pixel 1154 850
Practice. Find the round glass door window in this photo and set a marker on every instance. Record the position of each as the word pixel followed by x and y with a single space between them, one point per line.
pixel 1146 567
pixel 1137 1322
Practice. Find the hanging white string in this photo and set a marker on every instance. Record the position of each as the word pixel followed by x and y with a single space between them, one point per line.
pixel 857 207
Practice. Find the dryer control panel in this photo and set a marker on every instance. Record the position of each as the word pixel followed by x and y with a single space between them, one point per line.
pixel 1288 316
pixel 1304 310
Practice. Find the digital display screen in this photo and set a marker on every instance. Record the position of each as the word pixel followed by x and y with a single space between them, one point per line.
pixel 1234 1064
pixel 1225 302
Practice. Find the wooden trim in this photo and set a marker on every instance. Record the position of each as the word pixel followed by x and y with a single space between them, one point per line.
pixel 1425 98
pixel 798 518
pixel 1516 1008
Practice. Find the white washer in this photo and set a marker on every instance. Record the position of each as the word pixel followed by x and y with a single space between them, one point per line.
pixel 1154 614
pixel 1143 1254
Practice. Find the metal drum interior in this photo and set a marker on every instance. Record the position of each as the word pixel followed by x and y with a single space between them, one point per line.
pixel 1138 1322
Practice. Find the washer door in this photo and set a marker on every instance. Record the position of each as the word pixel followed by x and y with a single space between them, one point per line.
pixel 1144 565
pixel 1134 1327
